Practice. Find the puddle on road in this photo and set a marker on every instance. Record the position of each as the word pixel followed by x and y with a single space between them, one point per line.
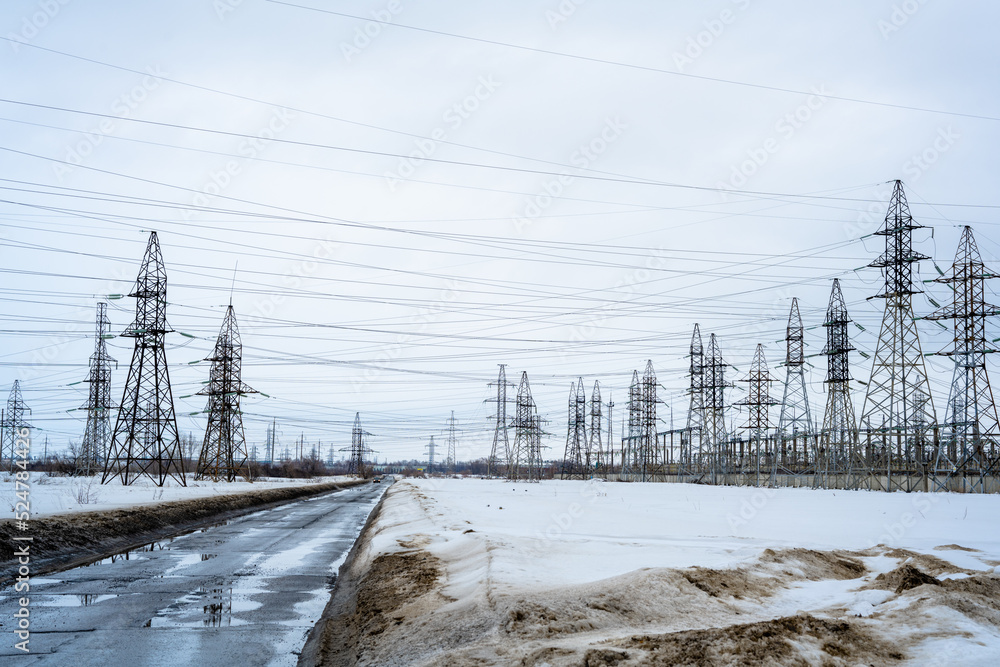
pixel 217 606
pixel 70 599
pixel 133 554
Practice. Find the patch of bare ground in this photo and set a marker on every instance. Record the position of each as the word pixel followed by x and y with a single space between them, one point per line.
pixel 932 565
pixel 955 547
pixel 903 578
pixel 817 565
pixel 977 597
pixel 792 640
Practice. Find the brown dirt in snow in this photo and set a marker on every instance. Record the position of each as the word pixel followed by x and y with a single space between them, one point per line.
pixel 737 584
pixel 393 580
pixel 903 578
pixel 978 597
pixel 955 547
pixel 932 565
pixel 818 565
pixel 692 616
pixel 780 641
pixel 67 540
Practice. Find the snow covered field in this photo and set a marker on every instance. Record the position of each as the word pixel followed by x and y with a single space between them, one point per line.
pixel 572 565
pixel 59 495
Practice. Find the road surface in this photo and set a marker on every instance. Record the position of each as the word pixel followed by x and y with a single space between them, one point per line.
pixel 245 592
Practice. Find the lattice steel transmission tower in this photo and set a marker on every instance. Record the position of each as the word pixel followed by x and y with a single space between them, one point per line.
pixel 756 454
pixel 501 441
pixel 715 435
pixel 795 419
pixel 224 450
pixel 969 440
pixel 898 412
pixel 97 435
pixel 356 463
pixel 452 444
pixel 13 421
pixel 693 457
pixel 839 435
pixel 576 457
pixel 145 440
pixel 525 460
pixel 596 441
pixel 431 450
pixel 642 459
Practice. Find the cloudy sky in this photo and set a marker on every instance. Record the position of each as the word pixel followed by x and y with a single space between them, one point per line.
pixel 414 193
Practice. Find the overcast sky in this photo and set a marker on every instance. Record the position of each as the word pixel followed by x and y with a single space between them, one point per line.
pixel 417 192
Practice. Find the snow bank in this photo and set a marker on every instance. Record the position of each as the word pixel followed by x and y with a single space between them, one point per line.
pixel 570 532
pixel 561 572
pixel 60 495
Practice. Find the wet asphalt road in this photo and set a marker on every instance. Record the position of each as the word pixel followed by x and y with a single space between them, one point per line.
pixel 246 592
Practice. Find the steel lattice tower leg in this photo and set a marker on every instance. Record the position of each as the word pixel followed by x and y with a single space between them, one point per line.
pixel 715 434
pixel 968 448
pixel 795 422
pixel 145 440
pixel 758 425
pixel 839 436
pixel 97 435
pixel 898 412
pixel 501 442
pixel 576 458
pixel 224 450
pixel 596 443
pixel 13 421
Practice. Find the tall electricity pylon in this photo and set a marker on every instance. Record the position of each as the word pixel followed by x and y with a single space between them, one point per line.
pixel 576 458
pixel 357 463
pixel 13 421
pixel 224 450
pixel 715 433
pixel 97 435
pixel 501 442
pixel 596 446
pixel 641 457
pixel 431 450
pixel 758 401
pixel 696 457
pixel 524 461
pixel 839 435
pixel 145 440
pixel 795 419
pixel 452 444
pixel 898 412
pixel 968 447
